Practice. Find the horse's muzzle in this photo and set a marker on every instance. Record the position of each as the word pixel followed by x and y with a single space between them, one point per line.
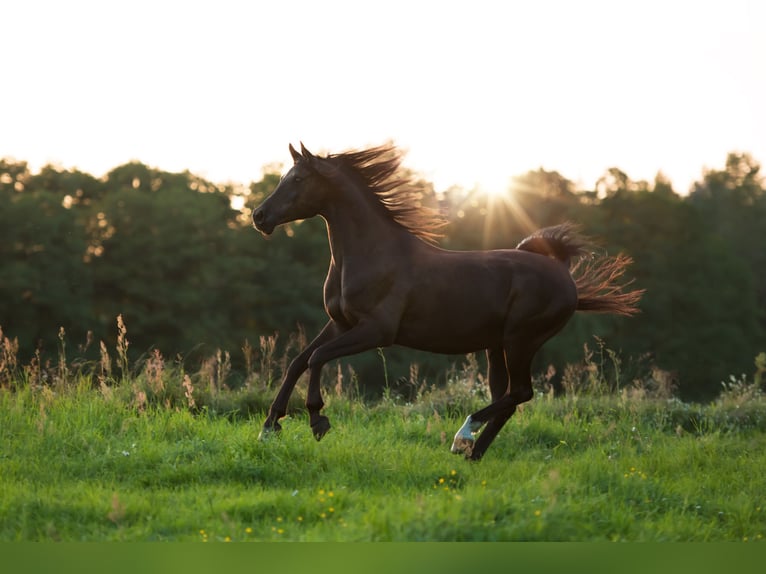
pixel 261 222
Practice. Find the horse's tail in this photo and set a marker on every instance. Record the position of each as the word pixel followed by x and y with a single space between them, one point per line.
pixel 596 276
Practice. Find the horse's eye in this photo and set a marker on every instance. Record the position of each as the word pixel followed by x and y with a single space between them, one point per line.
pixel 298 179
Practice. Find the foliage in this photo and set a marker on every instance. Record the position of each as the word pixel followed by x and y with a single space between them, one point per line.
pixel 189 274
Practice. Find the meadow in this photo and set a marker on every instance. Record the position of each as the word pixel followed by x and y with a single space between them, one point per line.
pixel 153 453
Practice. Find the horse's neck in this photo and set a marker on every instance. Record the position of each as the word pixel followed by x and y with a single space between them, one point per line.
pixel 361 229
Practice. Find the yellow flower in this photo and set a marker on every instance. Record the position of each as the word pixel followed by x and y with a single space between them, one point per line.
pixel 330 494
pixel 279 519
pixel 538 512
pixel 280 531
pixel 249 530
pixel 300 519
pixel 227 539
pixel 331 509
pixel 441 480
pixel 453 472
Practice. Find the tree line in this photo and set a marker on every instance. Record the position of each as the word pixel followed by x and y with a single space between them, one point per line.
pixel 170 254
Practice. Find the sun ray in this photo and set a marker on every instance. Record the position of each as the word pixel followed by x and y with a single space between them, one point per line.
pixel 498 224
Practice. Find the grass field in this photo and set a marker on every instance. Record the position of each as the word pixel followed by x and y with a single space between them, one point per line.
pixel 81 461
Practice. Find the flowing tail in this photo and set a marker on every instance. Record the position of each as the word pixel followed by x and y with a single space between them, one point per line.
pixel 596 276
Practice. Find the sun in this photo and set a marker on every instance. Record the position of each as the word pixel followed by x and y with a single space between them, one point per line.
pixel 503 210
pixel 495 189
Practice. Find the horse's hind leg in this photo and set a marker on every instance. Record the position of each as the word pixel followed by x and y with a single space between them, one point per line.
pixel 518 363
pixel 498 388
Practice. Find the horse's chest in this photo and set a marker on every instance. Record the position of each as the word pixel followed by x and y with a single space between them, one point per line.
pixel 348 299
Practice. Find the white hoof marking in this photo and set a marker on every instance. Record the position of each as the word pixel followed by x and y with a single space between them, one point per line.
pixel 463 441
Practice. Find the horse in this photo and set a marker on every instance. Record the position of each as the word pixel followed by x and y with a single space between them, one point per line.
pixel 389 283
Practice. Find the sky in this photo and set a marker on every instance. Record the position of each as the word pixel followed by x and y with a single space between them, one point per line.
pixel 475 92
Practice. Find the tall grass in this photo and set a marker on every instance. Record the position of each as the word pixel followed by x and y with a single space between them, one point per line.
pixel 151 451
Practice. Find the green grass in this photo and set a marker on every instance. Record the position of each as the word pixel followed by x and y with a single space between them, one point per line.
pixel 79 463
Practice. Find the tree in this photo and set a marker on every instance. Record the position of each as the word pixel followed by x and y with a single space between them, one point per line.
pixel 44 282
pixel 732 203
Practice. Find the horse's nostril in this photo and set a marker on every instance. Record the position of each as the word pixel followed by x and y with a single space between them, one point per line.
pixel 258 217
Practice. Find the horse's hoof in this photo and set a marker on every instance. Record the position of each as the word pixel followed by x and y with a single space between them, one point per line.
pixel 320 427
pixel 464 440
pixel 269 431
pixel 474 456
pixel 462 445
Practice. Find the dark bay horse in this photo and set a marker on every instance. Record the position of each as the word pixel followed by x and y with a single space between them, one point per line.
pixel 388 283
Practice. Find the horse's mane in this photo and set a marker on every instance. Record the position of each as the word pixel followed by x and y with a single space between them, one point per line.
pixel 379 170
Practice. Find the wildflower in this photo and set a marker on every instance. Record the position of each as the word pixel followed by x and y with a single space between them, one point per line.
pixel 280 531
pixel 248 530
pixel 538 512
pixel 323 515
pixel 331 509
pixel 330 494
pixel 453 472
pixel 441 480
pixel 279 519
pixel 227 539
pixel 300 519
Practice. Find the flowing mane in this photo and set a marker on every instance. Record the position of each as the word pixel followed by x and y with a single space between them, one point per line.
pixel 379 170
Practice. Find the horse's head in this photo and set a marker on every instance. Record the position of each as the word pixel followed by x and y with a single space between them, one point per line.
pixel 301 193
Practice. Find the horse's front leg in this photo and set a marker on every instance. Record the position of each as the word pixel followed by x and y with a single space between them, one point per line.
pixel 320 424
pixel 297 367
pixel 361 337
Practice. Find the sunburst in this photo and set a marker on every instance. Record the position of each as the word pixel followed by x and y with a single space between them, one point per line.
pixel 498 206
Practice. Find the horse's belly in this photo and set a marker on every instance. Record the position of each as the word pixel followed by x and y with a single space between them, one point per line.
pixel 451 331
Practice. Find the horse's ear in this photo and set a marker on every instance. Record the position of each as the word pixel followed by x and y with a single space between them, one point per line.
pixel 306 153
pixel 296 156
pixel 318 163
